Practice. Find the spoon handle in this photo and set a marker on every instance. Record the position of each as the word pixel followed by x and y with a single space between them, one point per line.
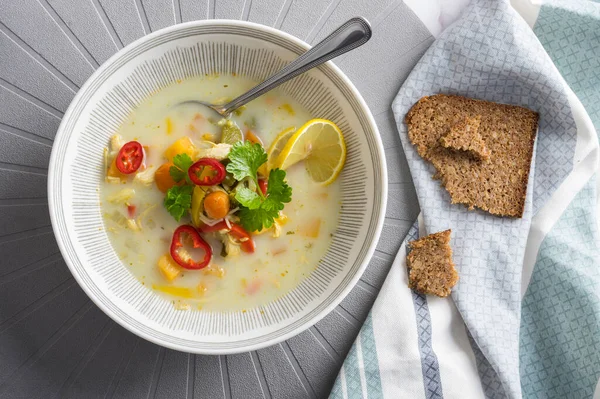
pixel 352 34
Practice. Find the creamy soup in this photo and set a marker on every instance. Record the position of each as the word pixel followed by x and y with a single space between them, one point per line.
pixel 244 271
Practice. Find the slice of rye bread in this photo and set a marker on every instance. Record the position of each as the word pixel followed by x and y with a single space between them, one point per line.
pixel 498 186
pixel 464 136
pixel 430 267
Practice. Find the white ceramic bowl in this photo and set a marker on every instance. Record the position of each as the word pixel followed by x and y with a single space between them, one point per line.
pixel 123 82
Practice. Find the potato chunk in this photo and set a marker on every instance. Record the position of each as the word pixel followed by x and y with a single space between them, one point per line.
pixel 168 267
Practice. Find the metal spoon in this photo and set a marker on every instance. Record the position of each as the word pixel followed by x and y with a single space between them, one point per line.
pixel 352 34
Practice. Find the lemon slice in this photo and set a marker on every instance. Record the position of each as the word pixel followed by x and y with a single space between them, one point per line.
pixel 275 149
pixel 320 144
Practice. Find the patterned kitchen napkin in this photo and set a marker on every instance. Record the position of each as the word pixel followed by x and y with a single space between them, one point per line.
pixel 524 319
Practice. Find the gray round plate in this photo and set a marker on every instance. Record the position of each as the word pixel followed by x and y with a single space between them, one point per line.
pixel 53 341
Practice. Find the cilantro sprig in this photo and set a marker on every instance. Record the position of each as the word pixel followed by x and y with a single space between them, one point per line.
pixel 178 200
pixel 257 210
pixel 245 159
pixel 179 171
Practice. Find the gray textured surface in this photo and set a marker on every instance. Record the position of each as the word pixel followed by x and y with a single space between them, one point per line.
pixel 53 341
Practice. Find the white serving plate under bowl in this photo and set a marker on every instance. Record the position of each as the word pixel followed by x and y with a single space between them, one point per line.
pixel 118 86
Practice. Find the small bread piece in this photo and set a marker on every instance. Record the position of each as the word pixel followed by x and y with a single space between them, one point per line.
pixel 498 186
pixel 430 267
pixel 464 136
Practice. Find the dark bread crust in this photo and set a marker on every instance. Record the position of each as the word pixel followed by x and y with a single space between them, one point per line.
pixel 499 185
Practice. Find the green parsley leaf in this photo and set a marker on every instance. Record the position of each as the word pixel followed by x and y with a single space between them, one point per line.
pixel 272 204
pixel 178 201
pixel 277 189
pixel 179 172
pixel 248 198
pixel 182 161
pixel 257 219
pixel 176 174
pixel 257 212
pixel 244 160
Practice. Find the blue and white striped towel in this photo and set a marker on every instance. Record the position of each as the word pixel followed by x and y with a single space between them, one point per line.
pixel 524 319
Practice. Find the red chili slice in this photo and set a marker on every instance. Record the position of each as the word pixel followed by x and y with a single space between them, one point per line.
pixel 262 184
pixel 184 259
pixel 241 234
pixel 207 172
pixel 236 231
pixel 131 211
pixel 130 157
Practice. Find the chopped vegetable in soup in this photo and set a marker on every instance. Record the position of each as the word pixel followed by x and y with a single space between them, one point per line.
pixel 199 208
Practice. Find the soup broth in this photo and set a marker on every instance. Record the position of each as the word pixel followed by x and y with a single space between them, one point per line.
pixel 140 228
